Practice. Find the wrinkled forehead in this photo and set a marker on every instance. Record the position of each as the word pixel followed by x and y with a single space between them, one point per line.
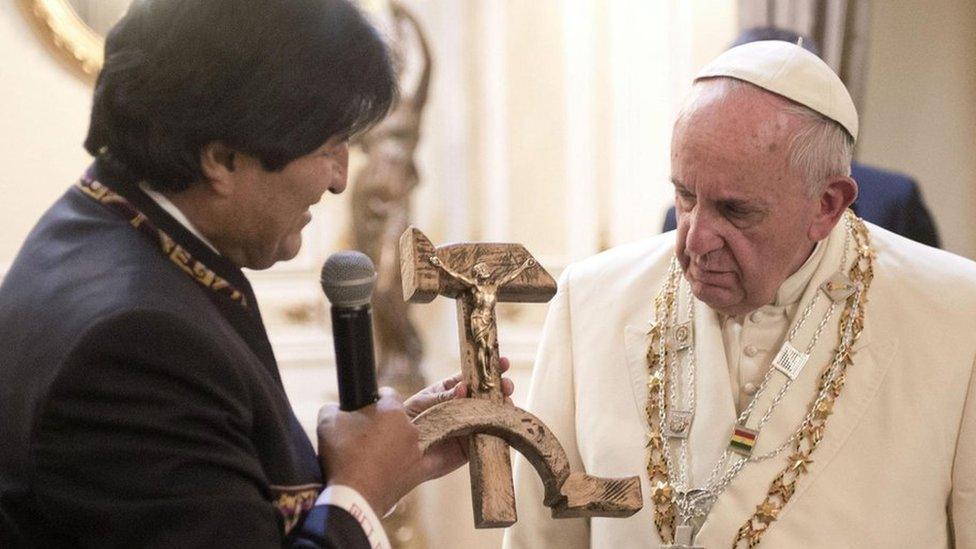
pixel 733 143
pixel 737 112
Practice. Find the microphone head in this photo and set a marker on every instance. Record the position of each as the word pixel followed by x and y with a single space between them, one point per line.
pixel 348 279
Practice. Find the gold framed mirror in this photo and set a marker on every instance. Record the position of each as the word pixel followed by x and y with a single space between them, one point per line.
pixel 75 29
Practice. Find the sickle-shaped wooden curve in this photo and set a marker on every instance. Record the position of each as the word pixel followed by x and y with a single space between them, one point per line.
pixel 569 494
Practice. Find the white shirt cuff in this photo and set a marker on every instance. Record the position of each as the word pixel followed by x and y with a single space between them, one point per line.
pixel 349 499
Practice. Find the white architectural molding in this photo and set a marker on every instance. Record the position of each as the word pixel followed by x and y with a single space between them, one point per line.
pixel 579 81
pixel 452 124
pixel 494 99
pixel 640 46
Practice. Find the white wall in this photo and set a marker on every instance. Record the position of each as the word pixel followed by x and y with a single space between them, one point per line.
pixel 919 115
pixel 43 119
pixel 100 15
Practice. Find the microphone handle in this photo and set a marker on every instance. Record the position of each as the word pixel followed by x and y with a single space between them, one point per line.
pixel 352 333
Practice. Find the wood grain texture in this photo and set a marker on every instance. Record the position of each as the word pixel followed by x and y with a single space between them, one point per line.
pixel 492 488
pixel 421 280
pixel 534 285
pixel 490 463
pixel 478 276
pixel 569 494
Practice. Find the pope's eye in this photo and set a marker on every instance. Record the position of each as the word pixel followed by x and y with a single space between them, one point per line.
pixel 686 198
pixel 739 216
pixel 735 210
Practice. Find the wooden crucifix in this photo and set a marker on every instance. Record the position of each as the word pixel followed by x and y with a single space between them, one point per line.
pixel 478 276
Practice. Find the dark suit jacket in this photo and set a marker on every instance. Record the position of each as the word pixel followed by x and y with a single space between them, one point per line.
pixel 138 408
pixel 887 199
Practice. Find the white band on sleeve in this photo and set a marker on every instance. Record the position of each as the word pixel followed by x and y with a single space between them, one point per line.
pixel 350 500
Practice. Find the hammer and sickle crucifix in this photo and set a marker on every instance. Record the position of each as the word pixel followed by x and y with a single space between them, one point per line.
pixel 478 276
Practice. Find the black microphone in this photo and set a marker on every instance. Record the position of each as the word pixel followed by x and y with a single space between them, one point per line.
pixel 348 279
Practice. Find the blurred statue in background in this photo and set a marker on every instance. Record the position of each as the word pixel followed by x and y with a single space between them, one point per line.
pixel 381 204
pixel 380 213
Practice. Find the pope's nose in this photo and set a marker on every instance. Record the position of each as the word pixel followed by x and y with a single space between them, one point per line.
pixel 701 238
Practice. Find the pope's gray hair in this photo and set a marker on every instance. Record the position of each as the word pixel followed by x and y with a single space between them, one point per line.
pixel 820 148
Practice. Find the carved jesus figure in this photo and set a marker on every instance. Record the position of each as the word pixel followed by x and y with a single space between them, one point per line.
pixel 484 294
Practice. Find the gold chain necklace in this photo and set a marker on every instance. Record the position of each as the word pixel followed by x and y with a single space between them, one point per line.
pixel 810 432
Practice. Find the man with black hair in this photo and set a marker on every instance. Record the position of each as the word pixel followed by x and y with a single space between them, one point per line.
pixel 140 400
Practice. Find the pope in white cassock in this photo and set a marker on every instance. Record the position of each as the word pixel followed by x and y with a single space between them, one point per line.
pixel 780 372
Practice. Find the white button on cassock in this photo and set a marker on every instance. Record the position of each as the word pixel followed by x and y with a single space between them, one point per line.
pixel 755 317
pixel 750 351
pixel 749 388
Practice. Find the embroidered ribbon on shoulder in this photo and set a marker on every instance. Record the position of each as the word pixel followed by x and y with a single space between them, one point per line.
pixel 176 253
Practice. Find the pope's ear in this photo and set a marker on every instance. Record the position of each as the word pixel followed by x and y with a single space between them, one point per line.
pixel 837 195
pixel 218 163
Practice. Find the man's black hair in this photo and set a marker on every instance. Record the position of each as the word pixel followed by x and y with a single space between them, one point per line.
pixel 274 79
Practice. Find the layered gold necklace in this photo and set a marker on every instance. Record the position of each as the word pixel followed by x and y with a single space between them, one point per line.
pixel 807 436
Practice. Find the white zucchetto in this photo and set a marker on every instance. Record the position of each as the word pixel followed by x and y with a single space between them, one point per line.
pixel 790 71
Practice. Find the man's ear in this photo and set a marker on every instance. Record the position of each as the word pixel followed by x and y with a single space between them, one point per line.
pixel 219 164
pixel 837 195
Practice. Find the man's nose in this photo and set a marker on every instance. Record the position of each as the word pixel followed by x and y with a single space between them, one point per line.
pixel 703 236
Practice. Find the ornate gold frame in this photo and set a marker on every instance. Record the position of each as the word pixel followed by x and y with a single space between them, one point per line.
pixel 57 21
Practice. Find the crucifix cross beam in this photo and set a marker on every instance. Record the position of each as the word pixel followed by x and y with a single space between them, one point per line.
pixel 478 276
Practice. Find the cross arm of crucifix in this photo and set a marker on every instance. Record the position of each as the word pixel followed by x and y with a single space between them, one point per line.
pixel 427 272
pixel 423 279
pixel 514 274
pixel 436 261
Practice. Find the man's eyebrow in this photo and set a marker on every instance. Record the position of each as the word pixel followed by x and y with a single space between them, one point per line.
pixel 736 201
pixel 678 185
pixel 745 203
